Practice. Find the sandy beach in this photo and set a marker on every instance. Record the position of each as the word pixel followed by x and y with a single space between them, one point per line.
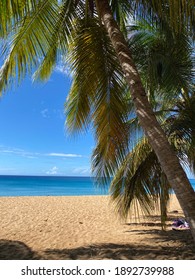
pixel 86 227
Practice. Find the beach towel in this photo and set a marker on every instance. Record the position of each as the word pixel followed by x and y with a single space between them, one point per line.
pixel 180 224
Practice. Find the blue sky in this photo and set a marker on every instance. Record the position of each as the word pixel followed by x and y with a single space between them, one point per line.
pixel 33 138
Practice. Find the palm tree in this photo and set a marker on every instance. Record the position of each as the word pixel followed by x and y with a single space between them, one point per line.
pixel 165 65
pixel 140 179
pixel 40 25
pixel 155 134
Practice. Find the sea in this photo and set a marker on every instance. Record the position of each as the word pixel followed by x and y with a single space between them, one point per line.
pixel 52 186
pixel 49 186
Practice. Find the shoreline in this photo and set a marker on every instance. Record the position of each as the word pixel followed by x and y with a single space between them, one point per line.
pixel 86 227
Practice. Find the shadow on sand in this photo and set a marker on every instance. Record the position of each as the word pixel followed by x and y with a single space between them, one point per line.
pixel 163 246
pixel 16 250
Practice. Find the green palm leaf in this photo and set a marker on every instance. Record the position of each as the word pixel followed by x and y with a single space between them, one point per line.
pixel 30 43
pixel 177 13
pixel 140 181
pixel 156 52
pixel 59 40
pixel 95 71
pixel 98 93
pixel 12 11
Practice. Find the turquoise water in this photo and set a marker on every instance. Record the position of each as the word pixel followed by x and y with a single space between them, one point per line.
pixel 48 186
pixel 51 186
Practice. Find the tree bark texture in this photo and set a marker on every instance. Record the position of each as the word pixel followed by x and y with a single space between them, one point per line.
pixel 156 136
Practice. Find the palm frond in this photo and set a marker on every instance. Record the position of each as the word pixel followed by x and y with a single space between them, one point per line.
pixel 140 181
pixel 30 43
pixel 59 40
pixel 181 130
pixel 12 12
pixel 111 130
pixel 95 72
pixel 85 60
pixel 98 94
pixel 165 61
pixel 178 13
pixel 122 12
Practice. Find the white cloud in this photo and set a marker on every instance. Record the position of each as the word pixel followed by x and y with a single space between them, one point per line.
pixel 52 171
pixel 45 113
pixel 82 170
pixel 32 155
pixel 18 152
pixel 63 68
pixel 63 155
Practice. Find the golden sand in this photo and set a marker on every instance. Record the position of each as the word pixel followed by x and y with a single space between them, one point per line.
pixel 86 227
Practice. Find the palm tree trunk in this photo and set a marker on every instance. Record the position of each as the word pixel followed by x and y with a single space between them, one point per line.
pixel 156 136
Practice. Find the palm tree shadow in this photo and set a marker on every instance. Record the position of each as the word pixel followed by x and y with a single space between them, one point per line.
pixel 108 251
pixel 112 251
pixel 15 250
pixel 154 221
pixel 154 227
pixel 163 245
